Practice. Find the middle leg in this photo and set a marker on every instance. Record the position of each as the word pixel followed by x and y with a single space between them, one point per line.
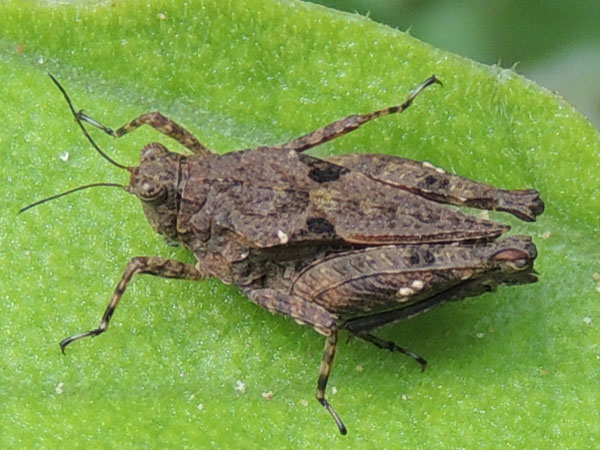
pixel 161 267
pixel 351 123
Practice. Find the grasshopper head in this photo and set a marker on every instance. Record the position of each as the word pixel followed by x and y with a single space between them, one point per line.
pixel 156 183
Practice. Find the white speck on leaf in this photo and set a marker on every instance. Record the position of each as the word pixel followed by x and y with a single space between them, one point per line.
pixel 240 386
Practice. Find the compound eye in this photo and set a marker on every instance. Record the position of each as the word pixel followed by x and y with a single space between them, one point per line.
pixel 152 193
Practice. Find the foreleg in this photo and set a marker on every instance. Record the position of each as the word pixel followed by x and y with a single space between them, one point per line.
pixel 166 268
pixel 157 121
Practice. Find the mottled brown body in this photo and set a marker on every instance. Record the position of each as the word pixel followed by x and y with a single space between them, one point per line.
pixel 352 242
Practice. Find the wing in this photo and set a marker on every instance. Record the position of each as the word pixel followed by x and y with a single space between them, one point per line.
pixel 276 197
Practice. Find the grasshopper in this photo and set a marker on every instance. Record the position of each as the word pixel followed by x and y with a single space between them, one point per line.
pixel 352 242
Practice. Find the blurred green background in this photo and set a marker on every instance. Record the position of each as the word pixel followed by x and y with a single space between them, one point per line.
pixel 553 42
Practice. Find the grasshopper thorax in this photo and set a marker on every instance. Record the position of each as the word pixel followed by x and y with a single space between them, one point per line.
pixel 156 183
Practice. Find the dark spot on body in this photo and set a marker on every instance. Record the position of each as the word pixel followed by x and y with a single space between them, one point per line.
pixel 414 259
pixel 432 182
pixel 322 171
pixel 428 257
pixel 318 225
pixel 429 181
pixel 330 173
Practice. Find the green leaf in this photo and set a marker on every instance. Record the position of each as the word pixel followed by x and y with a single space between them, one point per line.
pixel 515 368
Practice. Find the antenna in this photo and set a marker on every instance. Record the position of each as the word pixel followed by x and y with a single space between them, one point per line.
pixel 98 149
pixel 70 191
pixel 85 132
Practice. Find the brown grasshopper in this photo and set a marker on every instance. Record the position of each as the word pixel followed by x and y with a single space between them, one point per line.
pixel 351 242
